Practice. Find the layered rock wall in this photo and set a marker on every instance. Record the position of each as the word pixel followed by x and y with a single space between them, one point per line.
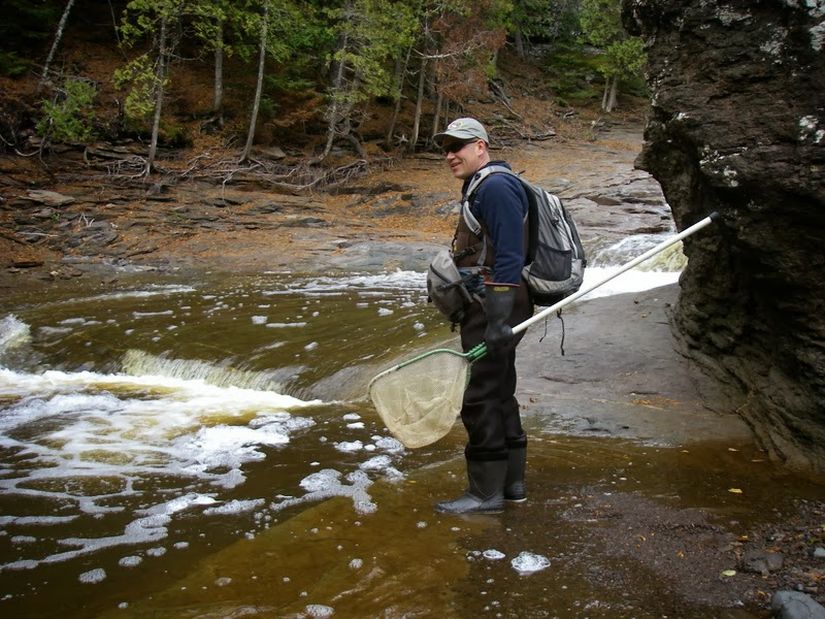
pixel 737 125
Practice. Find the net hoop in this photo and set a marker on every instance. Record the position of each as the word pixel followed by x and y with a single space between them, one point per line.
pixel 419 400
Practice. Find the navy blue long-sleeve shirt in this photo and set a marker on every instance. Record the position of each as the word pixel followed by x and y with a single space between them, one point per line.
pixel 501 203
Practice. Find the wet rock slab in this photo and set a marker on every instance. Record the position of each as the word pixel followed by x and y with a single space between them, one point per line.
pixel 621 375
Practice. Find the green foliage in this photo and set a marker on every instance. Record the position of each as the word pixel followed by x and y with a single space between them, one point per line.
pixel 70 116
pixel 11 65
pixel 546 20
pixel 142 17
pixel 601 22
pixel 137 78
pixel 572 74
pixel 174 136
pixel 372 33
pixel 626 58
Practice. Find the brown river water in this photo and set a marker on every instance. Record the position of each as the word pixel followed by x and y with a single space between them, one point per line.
pixel 206 449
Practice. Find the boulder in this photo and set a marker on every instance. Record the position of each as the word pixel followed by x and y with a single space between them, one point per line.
pixel 737 125
pixel 796 605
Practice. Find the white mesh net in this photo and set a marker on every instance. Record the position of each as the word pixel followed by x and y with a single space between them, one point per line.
pixel 420 400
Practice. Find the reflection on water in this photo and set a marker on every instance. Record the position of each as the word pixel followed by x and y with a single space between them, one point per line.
pixel 206 449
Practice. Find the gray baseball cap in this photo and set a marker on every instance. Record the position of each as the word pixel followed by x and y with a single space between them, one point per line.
pixel 463 129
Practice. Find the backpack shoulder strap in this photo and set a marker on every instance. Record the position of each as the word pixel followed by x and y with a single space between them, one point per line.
pixel 479 178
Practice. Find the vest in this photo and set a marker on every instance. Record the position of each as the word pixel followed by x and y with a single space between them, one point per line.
pixel 472 250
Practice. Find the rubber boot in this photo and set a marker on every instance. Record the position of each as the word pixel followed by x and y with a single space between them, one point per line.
pixel 514 491
pixel 485 494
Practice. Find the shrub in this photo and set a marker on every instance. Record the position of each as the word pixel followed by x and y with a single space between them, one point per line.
pixel 69 117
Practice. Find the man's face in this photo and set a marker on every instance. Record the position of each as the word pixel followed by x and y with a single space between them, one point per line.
pixel 464 157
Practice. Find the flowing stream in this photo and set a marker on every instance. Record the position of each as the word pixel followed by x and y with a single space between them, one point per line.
pixel 205 448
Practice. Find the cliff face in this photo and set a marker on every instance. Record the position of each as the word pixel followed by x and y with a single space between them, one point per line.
pixel 737 125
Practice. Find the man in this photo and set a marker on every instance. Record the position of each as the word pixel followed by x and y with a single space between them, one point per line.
pixel 492 264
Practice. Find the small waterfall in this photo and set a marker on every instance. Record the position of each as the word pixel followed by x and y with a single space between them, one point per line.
pixel 661 270
pixel 672 259
pixel 139 363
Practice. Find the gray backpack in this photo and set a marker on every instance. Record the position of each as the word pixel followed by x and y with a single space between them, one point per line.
pixel 446 289
pixel 554 267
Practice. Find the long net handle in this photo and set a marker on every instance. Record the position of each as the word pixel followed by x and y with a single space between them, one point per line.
pixel 625 267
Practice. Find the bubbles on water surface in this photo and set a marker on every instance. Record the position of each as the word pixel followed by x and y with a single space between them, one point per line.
pixel 93 576
pixel 319 611
pixel 528 562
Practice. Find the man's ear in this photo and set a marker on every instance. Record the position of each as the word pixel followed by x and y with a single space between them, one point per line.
pixel 482 148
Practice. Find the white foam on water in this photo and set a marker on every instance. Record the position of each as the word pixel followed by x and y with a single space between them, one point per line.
pixel 395 280
pixel 633 280
pixel 388 444
pixel 79 322
pixel 151 290
pixel 88 439
pixel 319 611
pixel 326 484
pixel 130 561
pixel 153 314
pixel 349 446
pixel 382 464
pixel 528 562
pixel 47 331
pixel 13 333
pixel 234 506
pixel 93 576
pixel 150 527
pixel 23 539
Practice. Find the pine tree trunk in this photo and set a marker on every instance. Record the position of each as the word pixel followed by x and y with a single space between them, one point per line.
pixel 437 116
pixel 612 97
pixel 217 103
pixel 419 103
pixel 605 93
pixel 335 110
pixel 256 105
pixel 400 73
pixel 160 77
pixel 519 39
pixel 58 35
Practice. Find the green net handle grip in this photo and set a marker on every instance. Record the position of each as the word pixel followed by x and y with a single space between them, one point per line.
pixel 476 352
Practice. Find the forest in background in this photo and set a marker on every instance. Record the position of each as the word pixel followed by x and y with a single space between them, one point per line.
pixel 300 74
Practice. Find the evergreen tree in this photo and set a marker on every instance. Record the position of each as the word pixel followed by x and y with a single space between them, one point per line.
pixel 602 25
pixel 158 21
pixel 370 35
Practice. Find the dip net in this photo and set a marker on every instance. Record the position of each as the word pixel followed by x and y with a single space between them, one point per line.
pixel 420 399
